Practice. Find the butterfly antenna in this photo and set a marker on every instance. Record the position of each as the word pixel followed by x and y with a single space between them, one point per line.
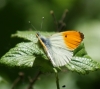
pixel 42 23
pixel 32 25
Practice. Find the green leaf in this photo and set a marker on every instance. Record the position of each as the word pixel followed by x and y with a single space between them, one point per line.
pixel 27 54
pixel 21 55
pixel 30 35
pixel 30 54
pixel 81 62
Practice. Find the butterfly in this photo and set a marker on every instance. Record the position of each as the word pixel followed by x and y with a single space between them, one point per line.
pixel 59 47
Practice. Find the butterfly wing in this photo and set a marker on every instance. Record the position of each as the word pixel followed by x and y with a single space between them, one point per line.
pixel 59 56
pixel 62 46
pixel 72 39
pixel 59 47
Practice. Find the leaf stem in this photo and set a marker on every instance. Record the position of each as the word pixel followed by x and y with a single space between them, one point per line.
pixel 57 79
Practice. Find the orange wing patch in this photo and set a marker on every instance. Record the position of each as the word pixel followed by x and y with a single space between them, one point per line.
pixel 72 39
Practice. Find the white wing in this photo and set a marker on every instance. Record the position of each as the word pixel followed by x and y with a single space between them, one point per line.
pixel 58 53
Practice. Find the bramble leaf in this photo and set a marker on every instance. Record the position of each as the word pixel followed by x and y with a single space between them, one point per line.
pixel 81 62
pixel 29 35
pixel 30 54
pixel 26 54
pixel 22 55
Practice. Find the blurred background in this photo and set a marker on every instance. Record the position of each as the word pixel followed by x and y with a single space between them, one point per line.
pixel 83 15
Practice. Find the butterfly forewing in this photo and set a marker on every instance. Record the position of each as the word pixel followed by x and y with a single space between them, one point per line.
pixel 72 39
pixel 59 47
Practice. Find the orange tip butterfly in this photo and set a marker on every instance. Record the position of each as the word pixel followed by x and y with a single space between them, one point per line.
pixel 60 46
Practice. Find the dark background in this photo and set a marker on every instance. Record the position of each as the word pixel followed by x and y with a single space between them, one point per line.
pixel 83 15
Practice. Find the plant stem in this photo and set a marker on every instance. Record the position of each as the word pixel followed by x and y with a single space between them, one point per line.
pixel 34 80
pixel 57 79
pixel 55 21
pixel 20 77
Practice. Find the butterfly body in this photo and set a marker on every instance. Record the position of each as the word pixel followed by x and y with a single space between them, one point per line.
pixel 59 47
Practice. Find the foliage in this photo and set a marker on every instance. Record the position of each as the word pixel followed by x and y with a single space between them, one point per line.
pixel 83 16
pixel 29 54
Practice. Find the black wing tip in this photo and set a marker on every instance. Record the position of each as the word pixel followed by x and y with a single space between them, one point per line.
pixel 81 35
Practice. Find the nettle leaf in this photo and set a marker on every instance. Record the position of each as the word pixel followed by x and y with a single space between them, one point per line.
pixel 30 54
pixel 81 62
